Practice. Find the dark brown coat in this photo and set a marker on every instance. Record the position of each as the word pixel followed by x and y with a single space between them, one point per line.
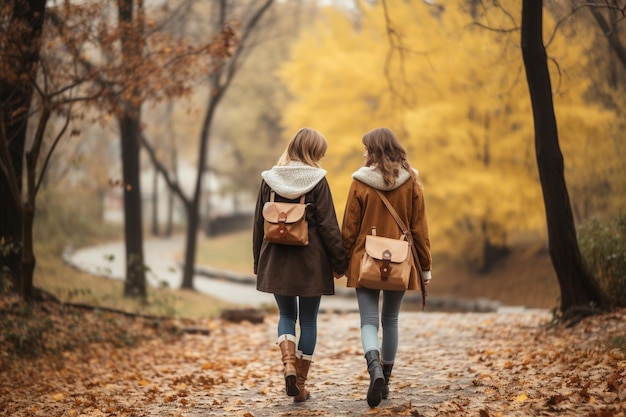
pixel 301 270
pixel 365 209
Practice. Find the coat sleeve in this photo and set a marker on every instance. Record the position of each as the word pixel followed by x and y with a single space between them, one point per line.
pixel 419 228
pixel 351 224
pixel 328 227
pixel 257 230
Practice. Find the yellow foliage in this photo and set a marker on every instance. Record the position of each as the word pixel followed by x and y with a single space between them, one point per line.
pixel 455 93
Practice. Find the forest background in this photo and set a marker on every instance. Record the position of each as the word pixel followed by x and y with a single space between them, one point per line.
pixel 448 79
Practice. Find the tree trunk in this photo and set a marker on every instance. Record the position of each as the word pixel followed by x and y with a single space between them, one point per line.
pixel 169 227
pixel 155 202
pixel 579 291
pixel 28 261
pixel 15 100
pixel 130 129
pixel 135 284
pixel 193 208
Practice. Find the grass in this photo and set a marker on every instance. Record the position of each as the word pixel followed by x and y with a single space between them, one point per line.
pixel 525 278
pixel 232 252
pixel 29 331
pixel 71 285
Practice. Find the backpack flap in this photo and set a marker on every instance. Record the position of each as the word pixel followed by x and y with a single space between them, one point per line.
pixel 383 248
pixel 288 213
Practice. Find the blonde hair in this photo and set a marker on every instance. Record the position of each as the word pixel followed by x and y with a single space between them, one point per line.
pixel 307 146
pixel 385 152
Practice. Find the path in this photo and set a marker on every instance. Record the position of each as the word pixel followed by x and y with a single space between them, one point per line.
pixel 161 256
pixel 505 363
pixel 448 364
pixel 460 364
pixel 163 259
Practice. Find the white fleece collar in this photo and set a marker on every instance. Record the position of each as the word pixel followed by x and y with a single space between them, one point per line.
pixel 294 179
pixel 373 177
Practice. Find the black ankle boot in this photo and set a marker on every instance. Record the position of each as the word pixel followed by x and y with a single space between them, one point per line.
pixel 377 378
pixel 387 367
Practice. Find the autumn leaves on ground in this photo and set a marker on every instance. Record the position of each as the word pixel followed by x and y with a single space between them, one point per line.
pixel 448 364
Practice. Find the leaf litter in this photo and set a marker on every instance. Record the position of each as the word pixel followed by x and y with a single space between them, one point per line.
pixel 448 364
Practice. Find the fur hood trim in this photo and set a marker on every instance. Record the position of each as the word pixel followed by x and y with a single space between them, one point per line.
pixel 294 179
pixel 373 177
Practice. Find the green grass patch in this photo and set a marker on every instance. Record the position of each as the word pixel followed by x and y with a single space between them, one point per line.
pixel 603 247
pixel 71 285
pixel 232 252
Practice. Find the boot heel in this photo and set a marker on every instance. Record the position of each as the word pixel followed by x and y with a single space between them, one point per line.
pixel 288 350
pixel 290 386
pixel 302 365
pixel 387 368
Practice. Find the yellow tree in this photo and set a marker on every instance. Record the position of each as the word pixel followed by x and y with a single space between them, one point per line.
pixel 450 82
pixel 600 189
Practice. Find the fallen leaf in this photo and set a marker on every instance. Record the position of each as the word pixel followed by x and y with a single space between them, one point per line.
pixel 521 398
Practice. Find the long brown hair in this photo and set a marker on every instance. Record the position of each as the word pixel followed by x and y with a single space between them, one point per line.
pixel 385 152
pixel 307 146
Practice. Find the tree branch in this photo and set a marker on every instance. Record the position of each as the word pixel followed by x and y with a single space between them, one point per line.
pixel 611 35
pixel 6 162
pixel 162 169
pixel 49 153
pixel 237 56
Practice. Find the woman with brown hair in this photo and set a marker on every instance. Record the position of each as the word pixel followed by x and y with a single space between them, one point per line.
pixel 386 169
pixel 299 275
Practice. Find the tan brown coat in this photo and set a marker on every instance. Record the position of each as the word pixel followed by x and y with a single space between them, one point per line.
pixel 365 209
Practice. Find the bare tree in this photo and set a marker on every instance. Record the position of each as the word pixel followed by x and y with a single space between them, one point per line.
pixel 580 293
pixel 136 61
pixel 219 78
pixel 91 60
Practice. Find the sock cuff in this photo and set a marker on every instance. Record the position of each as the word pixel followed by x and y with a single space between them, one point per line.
pixel 284 337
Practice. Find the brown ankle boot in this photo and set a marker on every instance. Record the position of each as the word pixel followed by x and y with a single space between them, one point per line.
pixel 288 350
pixel 302 367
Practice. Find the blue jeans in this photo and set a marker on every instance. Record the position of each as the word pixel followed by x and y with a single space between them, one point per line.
pixel 308 309
pixel 368 310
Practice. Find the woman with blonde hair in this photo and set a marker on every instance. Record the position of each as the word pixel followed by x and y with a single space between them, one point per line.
pixel 387 170
pixel 299 275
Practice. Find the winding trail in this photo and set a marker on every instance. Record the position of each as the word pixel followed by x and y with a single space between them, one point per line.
pixel 162 258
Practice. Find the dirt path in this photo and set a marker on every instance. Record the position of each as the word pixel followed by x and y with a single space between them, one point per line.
pixel 483 364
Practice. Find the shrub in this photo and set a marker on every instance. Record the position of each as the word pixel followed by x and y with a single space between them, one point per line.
pixel 603 248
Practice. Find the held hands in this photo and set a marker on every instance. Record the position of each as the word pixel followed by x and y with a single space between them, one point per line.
pixel 337 276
